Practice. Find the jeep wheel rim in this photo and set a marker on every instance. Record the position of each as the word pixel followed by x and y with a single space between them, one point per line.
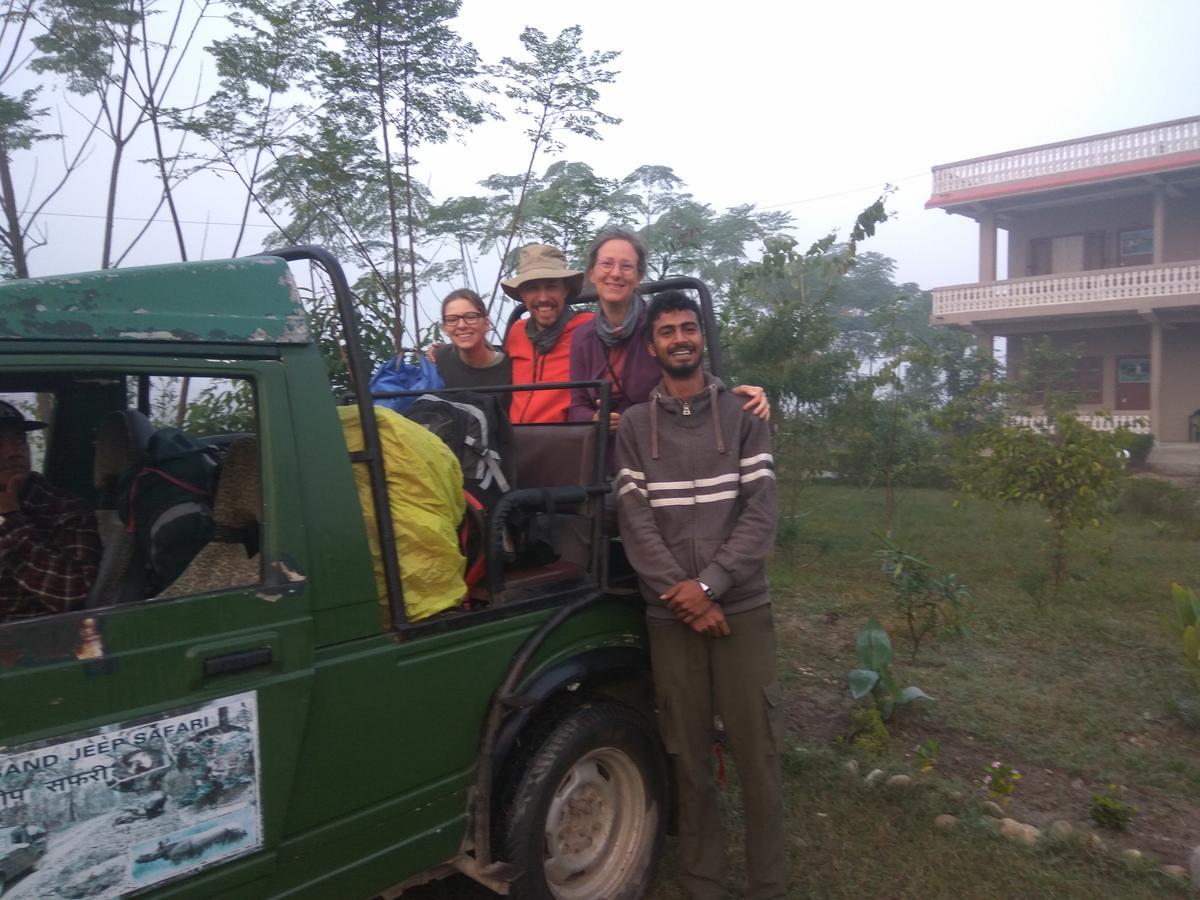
pixel 597 826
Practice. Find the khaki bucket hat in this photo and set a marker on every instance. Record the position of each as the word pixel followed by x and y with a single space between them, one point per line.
pixel 543 261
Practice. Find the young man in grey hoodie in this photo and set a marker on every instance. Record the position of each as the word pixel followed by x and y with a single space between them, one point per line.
pixel 696 503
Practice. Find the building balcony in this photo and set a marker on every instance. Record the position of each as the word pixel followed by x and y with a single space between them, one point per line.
pixel 1137 422
pixel 1134 289
pixel 1133 152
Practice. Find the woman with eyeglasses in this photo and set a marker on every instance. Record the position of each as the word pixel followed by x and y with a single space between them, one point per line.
pixel 612 347
pixel 469 360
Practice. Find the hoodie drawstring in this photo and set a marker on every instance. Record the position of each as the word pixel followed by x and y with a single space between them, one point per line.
pixel 716 418
pixel 654 425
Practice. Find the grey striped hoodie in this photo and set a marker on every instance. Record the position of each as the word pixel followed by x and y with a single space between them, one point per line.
pixel 696 496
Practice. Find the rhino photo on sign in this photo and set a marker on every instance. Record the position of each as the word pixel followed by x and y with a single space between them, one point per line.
pixel 132 804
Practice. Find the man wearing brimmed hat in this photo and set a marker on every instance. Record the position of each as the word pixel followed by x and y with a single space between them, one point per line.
pixel 49 545
pixel 540 345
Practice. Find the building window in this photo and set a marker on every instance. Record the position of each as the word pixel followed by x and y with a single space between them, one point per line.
pixel 1136 246
pixel 1133 371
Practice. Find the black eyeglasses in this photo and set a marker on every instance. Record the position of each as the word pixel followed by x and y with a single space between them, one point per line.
pixel 470 318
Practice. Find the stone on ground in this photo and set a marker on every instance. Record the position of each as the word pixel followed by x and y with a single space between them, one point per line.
pixel 900 781
pixel 1061 829
pixel 993 809
pixel 874 777
pixel 945 822
pixel 1178 872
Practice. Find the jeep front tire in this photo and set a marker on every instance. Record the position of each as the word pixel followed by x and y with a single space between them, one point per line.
pixel 588 813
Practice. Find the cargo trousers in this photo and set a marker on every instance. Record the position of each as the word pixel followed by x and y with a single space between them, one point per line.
pixel 734 676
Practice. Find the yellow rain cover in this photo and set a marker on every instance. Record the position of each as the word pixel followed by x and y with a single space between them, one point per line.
pixel 424 486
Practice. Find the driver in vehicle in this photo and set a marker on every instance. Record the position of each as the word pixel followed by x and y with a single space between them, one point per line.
pixel 49 544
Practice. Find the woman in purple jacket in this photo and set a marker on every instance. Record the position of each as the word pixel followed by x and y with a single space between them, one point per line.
pixel 613 346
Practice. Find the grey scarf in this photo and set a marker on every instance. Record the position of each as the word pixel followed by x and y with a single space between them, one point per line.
pixel 544 339
pixel 610 335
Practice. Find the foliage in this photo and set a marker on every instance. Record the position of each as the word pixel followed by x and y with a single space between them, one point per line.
pixel 926 599
pixel 778 324
pixel 1000 781
pixel 1139 448
pixel 874 673
pixel 222 408
pixel 556 88
pixel 1108 810
pixel 867 731
pixel 1072 471
pixel 927 755
pixel 1156 498
pixel 1187 608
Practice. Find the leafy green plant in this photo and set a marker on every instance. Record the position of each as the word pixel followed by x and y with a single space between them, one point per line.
pixel 1070 470
pixel 874 673
pixel 1000 781
pixel 1187 606
pixel 926 599
pixel 927 755
pixel 1108 810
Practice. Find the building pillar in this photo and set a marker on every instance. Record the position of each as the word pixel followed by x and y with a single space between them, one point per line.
pixel 987 247
pixel 1160 223
pixel 1156 367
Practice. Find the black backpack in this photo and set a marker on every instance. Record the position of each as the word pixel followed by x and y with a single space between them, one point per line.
pixel 166 502
pixel 476 428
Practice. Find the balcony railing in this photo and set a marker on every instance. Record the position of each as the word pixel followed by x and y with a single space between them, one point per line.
pixel 1132 283
pixel 1180 136
pixel 1138 423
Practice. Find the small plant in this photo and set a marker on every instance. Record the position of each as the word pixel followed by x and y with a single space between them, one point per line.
pixel 1108 810
pixel 867 731
pixel 874 673
pixel 1000 781
pixel 927 600
pixel 1187 606
pixel 927 754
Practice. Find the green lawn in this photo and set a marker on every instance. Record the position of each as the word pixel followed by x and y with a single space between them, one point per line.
pixel 1078 689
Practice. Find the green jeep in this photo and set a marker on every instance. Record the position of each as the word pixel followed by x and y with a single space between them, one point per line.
pixel 260 733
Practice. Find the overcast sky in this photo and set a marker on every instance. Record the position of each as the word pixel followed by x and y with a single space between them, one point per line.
pixel 809 107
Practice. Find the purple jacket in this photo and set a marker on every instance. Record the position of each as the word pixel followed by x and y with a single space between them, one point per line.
pixel 639 374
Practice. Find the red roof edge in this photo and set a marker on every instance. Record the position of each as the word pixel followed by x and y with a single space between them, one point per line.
pixel 1065 179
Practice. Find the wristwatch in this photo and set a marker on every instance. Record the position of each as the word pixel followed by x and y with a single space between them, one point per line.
pixel 708 592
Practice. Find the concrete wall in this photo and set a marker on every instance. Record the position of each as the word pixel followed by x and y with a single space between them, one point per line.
pixel 1182 241
pixel 1181 381
pixel 1180 368
pixel 1183 229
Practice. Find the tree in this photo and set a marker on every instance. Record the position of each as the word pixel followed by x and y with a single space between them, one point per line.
pixel 274 49
pixel 1069 470
pixel 556 89
pixel 406 72
pixel 106 51
pixel 20 117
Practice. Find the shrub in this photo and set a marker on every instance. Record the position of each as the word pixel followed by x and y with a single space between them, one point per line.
pixel 1139 449
pixel 867 731
pixel 1071 471
pixel 1159 499
pixel 1108 810
pixel 926 599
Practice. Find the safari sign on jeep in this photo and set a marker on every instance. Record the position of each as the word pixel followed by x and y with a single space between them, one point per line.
pixel 248 702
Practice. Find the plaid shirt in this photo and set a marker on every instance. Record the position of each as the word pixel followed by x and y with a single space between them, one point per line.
pixel 49 553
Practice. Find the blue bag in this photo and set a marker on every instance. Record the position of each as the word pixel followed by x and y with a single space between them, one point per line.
pixel 397 375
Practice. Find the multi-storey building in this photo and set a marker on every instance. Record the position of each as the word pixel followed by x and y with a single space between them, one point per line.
pixel 1103 253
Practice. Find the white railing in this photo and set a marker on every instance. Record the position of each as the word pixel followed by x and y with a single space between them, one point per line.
pixel 1132 283
pixel 1133 144
pixel 1138 423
